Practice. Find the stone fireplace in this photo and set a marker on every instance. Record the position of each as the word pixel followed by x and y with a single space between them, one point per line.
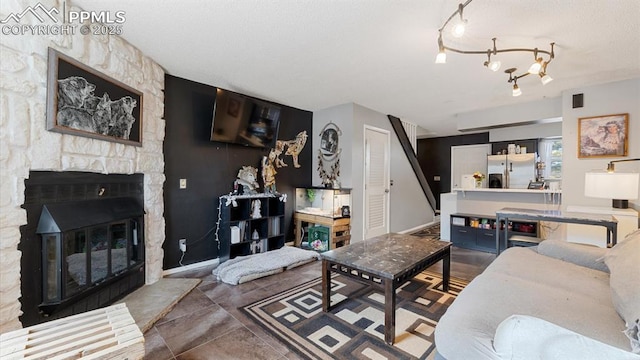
pixel 26 147
pixel 83 244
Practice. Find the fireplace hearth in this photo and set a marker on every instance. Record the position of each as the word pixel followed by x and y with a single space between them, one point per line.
pixel 83 245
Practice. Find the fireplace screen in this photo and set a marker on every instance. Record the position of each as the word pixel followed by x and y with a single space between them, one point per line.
pixel 82 249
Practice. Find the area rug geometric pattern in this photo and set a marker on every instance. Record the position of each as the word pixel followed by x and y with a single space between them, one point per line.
pixel 432 231
pixel 354 329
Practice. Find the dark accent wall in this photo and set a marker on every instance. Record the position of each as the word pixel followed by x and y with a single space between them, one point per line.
pixel 211 168
pixel 434 156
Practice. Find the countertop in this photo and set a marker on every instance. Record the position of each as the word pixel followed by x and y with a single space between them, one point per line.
pixel 527 191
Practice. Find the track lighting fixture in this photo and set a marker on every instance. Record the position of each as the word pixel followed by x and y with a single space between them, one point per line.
pixel 539 67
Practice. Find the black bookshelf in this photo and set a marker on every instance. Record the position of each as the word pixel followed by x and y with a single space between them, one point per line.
pixel 257 234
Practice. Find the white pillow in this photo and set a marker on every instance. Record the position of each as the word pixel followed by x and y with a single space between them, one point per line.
pixel 526 337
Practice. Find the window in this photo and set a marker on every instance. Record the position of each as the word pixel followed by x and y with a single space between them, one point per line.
pixel 550 150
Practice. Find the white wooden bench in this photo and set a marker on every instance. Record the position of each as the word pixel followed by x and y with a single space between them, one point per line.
pixel 107 333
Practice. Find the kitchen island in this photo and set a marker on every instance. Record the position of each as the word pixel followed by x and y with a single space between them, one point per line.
pixel 486 201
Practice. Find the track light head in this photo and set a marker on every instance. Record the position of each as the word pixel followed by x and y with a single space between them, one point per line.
pixel 441 58
pixel 545 79
pixel 516 90
pixel 514 79
pixel 458 28
pixel 492 65
pixel 536 67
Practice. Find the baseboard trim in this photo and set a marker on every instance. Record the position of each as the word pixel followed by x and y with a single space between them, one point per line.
pixel 197 265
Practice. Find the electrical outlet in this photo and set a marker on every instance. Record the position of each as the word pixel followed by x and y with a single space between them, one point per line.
pixel 183 183
pixel 183 245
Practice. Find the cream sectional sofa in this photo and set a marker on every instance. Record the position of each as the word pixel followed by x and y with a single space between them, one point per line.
pixel 556 301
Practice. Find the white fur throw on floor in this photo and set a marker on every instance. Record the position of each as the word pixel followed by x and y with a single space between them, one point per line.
pixel 246 268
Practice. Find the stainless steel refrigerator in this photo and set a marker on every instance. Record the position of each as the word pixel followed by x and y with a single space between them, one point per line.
pixel 516 170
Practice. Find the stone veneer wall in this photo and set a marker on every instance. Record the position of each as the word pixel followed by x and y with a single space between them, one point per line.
pixel 25 144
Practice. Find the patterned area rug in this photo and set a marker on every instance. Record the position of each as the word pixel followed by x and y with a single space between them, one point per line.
pixel 354 329
pixel 432 231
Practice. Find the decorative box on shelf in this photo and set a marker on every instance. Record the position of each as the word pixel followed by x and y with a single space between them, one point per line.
pixel 317 208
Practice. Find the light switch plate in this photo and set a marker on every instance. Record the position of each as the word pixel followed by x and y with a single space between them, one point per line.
pixel 183 183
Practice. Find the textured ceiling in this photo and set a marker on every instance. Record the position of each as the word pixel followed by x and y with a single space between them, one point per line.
pixel 380 53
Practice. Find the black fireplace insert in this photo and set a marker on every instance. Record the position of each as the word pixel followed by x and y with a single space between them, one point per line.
pixel 83 246
pixel 87 243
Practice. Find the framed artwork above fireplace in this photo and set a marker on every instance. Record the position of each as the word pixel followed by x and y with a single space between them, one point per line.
pixel 82 101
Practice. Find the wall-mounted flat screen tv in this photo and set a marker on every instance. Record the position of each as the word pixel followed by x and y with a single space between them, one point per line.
pixel 241 119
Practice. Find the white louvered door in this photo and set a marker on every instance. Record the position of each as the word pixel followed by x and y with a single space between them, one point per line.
pixel 376 182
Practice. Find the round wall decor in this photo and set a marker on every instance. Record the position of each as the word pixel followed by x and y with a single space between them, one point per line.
pixel 329 141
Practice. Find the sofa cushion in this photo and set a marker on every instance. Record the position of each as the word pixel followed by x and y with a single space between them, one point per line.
pixel 520 337
pixel 579 254
pixel 623 261
pixel 521 281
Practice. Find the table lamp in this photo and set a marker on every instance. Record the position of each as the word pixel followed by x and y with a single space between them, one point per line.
pixel 620 187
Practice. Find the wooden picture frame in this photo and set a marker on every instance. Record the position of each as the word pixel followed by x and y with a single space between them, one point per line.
pixel 603 136
pixel 82 101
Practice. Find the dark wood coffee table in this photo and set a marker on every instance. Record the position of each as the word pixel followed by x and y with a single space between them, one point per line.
pixel 386 262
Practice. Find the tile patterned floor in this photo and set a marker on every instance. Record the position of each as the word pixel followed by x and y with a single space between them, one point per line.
pixel 207 324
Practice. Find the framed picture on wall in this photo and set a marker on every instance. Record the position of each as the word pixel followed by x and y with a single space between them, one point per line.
pixel 84 102
pixel 329 141
pixel 603 136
